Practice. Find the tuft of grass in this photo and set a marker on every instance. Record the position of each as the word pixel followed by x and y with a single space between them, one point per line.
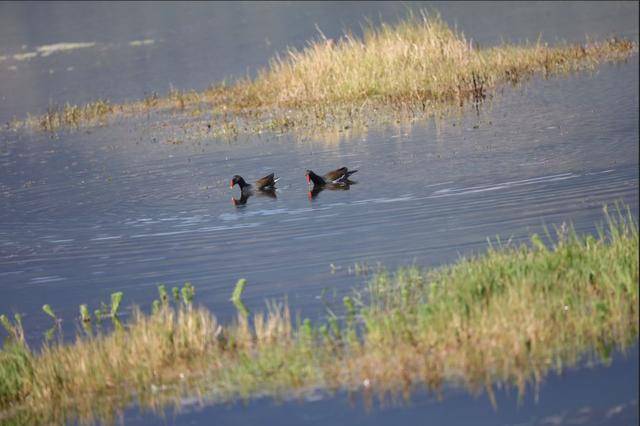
pixel 16 371
pixel 116 298
pixel 236 297
pixel 72 116
pixel 47 310
pixel 508 316
pixel 416 68
pixel 238 290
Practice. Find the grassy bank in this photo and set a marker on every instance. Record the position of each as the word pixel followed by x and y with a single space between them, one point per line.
pixel 508 316
pixel 415 68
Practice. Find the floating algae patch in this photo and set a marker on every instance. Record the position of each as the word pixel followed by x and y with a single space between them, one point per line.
pixel 507 317
pixel 417 68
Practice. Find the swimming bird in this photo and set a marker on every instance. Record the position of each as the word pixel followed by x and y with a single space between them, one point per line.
pixel 263 184
pixel 340 175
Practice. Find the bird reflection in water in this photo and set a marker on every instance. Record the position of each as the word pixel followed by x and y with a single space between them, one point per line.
pixel 342 186
pixel 245 195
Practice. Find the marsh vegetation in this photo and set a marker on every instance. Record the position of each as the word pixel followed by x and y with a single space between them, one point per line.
pixel 417 68
pixel 507 317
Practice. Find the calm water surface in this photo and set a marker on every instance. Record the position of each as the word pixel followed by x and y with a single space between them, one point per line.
pixel 596 395
pixel 116 209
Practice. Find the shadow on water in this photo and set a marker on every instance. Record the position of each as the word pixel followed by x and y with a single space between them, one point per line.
pixel 245 195
pixel 342 186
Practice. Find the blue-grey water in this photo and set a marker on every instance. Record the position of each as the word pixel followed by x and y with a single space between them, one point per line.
pixel 593 395
pixel 117 208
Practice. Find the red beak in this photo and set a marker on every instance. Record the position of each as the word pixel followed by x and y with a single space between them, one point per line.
pixel 308 179
pixel 231 185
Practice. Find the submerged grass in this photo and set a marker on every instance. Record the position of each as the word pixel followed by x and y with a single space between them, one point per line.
pixel 504 317
pixel 415 68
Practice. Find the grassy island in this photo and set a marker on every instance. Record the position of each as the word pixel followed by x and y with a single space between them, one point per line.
pixel 416 68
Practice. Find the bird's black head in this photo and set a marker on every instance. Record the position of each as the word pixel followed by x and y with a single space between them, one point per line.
pixel 312 177
pixel 237 179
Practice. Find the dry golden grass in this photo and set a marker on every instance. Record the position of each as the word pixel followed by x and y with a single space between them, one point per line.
pixel 508 316
pixel 419 67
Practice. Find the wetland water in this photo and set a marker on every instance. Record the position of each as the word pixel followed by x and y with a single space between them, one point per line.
pixel 118 209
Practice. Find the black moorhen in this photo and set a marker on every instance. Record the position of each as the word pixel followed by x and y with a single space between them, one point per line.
pixel 266 183
pixel 340 175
